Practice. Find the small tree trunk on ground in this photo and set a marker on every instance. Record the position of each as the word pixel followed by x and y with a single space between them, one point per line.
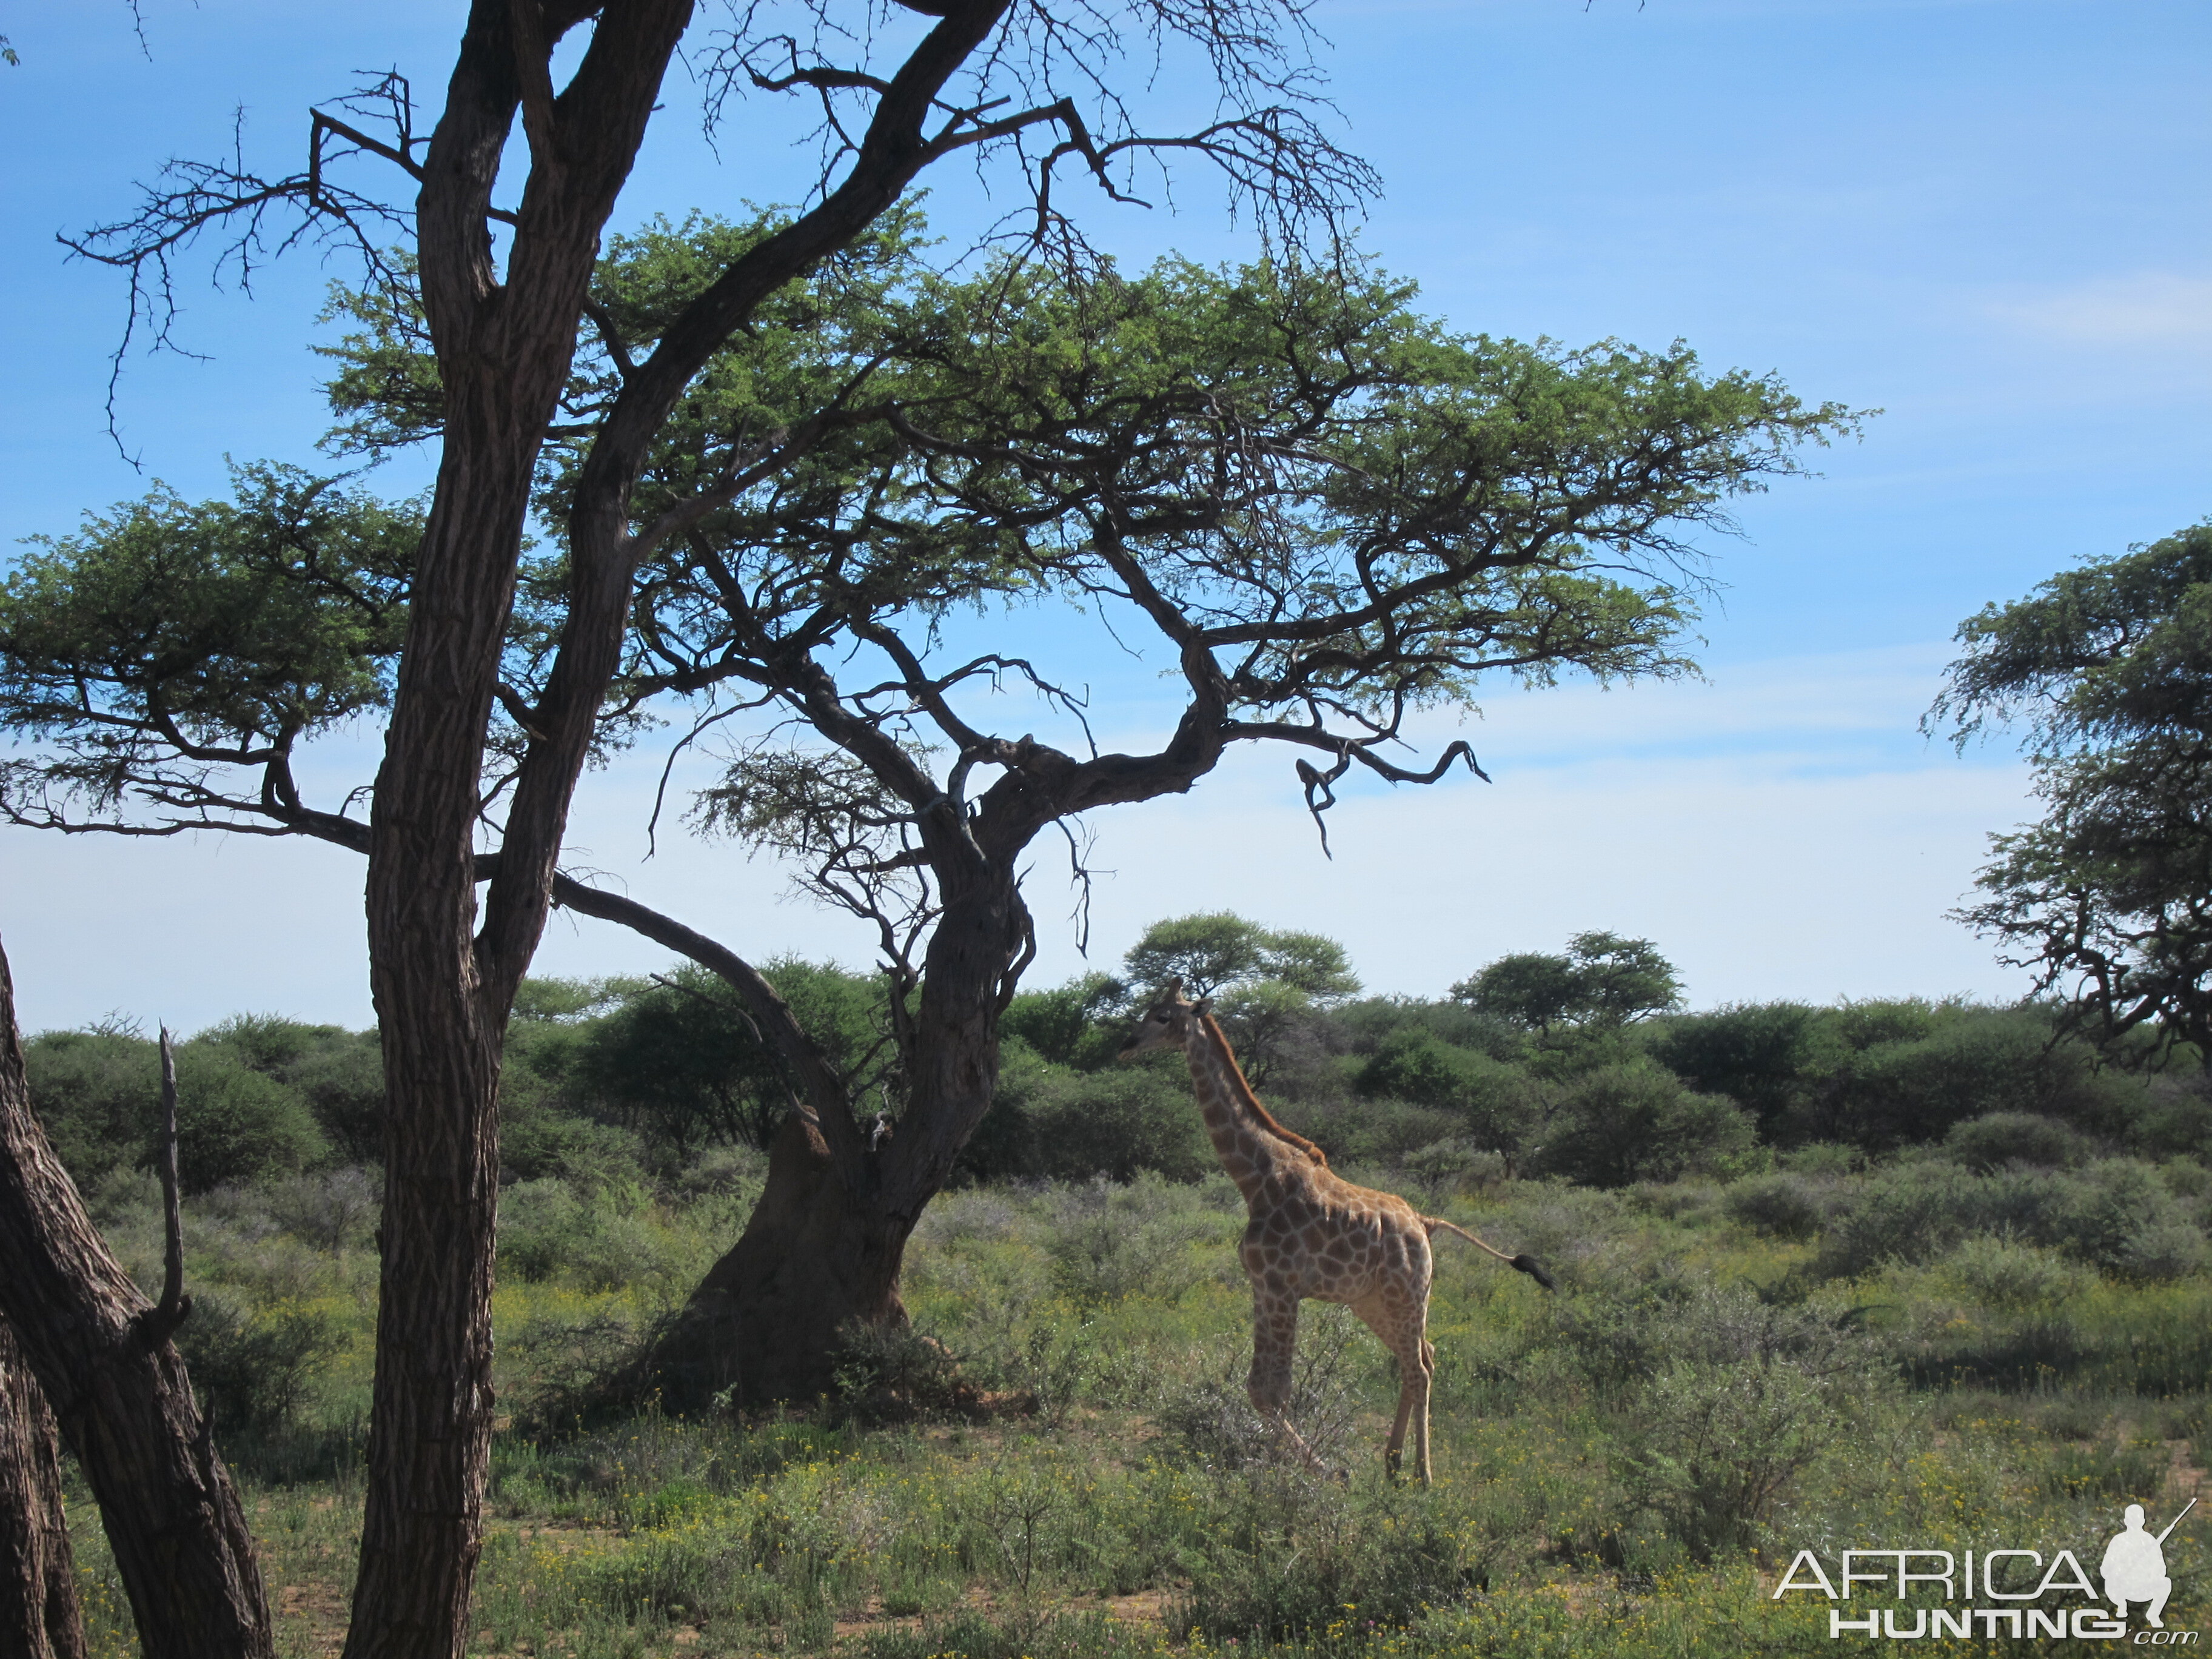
pixel 39 1616
pixel 123 1401
pixel 764 1323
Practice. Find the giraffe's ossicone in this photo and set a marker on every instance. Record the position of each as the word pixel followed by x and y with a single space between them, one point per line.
pixel 1310 1233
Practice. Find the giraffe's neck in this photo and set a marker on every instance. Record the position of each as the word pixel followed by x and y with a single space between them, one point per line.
pixel 1235 1120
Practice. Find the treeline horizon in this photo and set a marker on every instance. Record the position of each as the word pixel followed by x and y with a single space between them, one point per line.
pixel 1582 1065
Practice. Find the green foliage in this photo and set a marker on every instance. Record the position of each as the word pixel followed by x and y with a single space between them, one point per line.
pixel 1760 1054
pixel 599 1237
pixel 2108 664
pixel 254 1371
pixel 1983 1144
pixel 227 630
pixel 235 1124
pixel 1783 1205
pixel 1062 1025
pixel 1499 1106
pixel 1959 1064
pixel 1603 979
pixel 684 1060
pixel 1375 1020
pixel 1119 1122
pixel 1623 1124
pixel 2003 1273
pixel 338 1074
pixel 1211 952
pixel 2115 1215
pixel 1110 1241
pixel 98 1093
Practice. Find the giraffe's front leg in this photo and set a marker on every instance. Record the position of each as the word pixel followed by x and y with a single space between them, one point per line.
pixel 1274 1346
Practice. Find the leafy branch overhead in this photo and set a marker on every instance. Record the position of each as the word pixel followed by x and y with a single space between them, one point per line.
pixel 1328 512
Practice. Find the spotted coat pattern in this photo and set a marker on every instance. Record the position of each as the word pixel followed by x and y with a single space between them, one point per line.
pixel 1311 1234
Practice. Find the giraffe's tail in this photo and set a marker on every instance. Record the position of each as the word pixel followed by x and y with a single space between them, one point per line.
pixel 1526 1264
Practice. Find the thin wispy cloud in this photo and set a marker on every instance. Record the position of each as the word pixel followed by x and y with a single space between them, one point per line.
pixel 2149 309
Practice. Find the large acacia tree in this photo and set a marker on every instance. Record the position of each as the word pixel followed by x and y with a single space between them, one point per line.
pixel 1323 514
pixel 2107 900
pixel 503 286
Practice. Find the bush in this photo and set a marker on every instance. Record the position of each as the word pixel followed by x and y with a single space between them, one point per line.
pixel 2116 1215
pixel 1998 1138
pixel 1781 1206
pixel 253 1371
pixel 234 1124
pixel 1623 1124
pixel 99 1094
pixel 95 1093
pixel 1498 1104
pixel 2177 1117
pixel 1760 1054
pixel 1061 1025
pixel 333 1212
pixel 1210 1418
pixel 2120 1219
pixel 1367 1025
pixel 1109 1242
pixel 343 1085
pixel 1968 1063
pixel 1118 1123
pixel 1724 1399
pixel 1911 1213
pixel 1719 1446
pixel 2003 1273
pixel 1354 1132
pixel 602 1242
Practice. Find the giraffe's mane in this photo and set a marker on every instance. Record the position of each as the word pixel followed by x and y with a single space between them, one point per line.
pixel 1252 1099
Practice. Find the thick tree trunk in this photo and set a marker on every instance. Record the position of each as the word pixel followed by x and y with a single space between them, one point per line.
pixel 39 1615
pixel 123 1401
pixel 823 1249
pixel 765 1323
pixel 442 989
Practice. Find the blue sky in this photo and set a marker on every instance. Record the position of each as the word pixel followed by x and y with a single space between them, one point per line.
pixel 1986 217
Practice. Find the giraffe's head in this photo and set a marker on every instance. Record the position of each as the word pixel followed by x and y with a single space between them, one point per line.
pixel 1166 1023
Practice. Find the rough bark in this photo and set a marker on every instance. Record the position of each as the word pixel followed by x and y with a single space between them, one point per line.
pixel 443 990
pixel 122 1399
pixel 823 1247
pixel 764 1324
pixel 38 1615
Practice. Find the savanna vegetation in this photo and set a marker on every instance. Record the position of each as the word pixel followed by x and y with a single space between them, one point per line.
pixel 1882 1273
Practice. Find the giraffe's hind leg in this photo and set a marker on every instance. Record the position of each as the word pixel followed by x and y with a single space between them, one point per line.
pixel 1401 1324
pixel 1274 1346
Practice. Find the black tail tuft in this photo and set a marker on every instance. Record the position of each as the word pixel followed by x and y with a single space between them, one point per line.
pixel 1529 1265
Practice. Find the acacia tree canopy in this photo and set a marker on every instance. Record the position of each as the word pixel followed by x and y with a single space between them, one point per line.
pixel 2107 900
pixel 1330 514
pixel 1603 979
pixel 1218 949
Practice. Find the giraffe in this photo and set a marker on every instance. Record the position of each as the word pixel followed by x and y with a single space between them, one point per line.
pixel 1311 1233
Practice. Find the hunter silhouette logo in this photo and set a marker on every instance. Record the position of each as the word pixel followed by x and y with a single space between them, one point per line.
pixel 2134 1565
pixel 2133 1570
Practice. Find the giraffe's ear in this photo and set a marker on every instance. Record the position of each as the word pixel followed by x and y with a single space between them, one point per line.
pixel 1203 1005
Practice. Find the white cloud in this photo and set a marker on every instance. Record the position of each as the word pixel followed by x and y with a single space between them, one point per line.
pixel 2151 308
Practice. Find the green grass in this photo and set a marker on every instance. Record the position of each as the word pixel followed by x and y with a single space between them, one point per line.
pixel 1622 1468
